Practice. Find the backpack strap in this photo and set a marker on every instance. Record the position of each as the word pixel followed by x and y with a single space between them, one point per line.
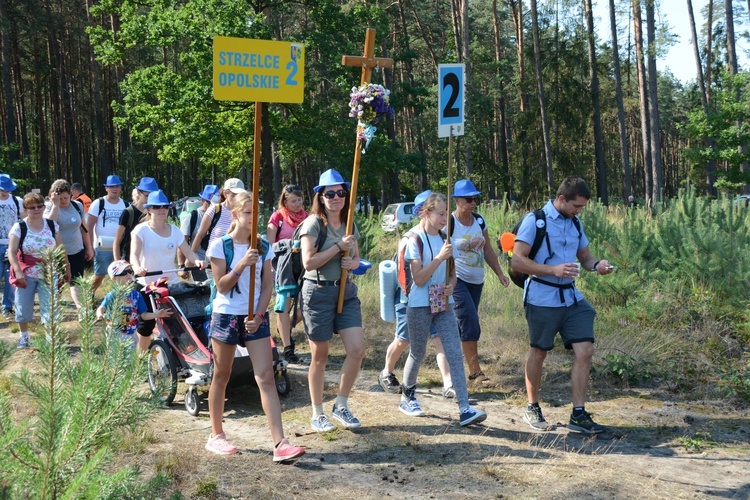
pixel 215 218
pixel 51 225
pixel 79 208
pixel 477 217
pixel 24 231
pixel 193 223
pixel 18 206
pixel 541 233
pixel 228 245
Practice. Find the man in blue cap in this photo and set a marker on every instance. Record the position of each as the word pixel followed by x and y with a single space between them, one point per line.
pixel 130 217
pixel 190 225
pixel 101 223
pixel 11 211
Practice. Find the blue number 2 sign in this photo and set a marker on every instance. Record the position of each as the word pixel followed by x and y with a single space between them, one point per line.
pixel 450 99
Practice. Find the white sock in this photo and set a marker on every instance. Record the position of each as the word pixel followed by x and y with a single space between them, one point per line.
pixel 385 372
pixel 24 335
pixel 317 410
pixel 342 402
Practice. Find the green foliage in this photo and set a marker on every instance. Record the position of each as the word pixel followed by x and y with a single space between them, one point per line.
pixel 77 406
pixel 698 442
pixel 735 380
pixel 626 369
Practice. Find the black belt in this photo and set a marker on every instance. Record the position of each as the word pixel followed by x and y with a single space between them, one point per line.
pixel 324 282
pixel 560 287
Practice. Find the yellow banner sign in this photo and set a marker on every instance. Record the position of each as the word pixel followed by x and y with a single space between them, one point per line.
pixel 258 70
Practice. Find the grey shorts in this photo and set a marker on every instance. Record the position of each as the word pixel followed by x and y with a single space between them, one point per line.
pixel 319 310
pixel 574 323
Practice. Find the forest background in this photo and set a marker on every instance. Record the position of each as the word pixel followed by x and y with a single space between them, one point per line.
pixel 93 88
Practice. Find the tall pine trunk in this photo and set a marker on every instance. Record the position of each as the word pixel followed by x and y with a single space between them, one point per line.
pixel 732 65
pixel 656 165
pixel 601 167
pixel 627 188
pixel 542 100
pixel 643 99
pixel 10 115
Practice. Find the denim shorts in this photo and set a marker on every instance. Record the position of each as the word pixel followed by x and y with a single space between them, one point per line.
pixel 102 260
pixel 230 329
pixel 319 314
pixel 574 323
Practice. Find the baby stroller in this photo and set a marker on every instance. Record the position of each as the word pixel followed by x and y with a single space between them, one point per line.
pixel 179 351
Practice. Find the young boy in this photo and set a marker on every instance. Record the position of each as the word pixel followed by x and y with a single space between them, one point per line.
pixel 134 306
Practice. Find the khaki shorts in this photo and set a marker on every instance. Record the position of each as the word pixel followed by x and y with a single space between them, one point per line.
pixel 319 310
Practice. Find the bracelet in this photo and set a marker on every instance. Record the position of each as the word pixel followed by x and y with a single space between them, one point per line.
pixel 235 273
pixel 340 249
pixel 593 269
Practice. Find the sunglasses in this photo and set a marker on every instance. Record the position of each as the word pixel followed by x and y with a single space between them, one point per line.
pixel 126 272
pixel 34 207
pixel 471 199
pixel 331 194
pixel 160 207
pixel 292 189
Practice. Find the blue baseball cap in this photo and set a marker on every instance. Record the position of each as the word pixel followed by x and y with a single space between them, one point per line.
pixel 420 199
pixel 464 188
pixel 330 178
pixel 6 183
pixel 157 198
pixel 209 190
pixel 147 184
pixel 112 180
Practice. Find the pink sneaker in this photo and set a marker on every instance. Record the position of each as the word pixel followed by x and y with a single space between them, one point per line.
pixel 218 444
pixel 285 451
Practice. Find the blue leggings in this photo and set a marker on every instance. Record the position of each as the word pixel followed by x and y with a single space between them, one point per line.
pixel 420 319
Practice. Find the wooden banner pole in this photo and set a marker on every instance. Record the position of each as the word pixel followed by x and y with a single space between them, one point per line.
pixel 256 204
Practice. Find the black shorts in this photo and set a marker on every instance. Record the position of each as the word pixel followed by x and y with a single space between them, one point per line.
pixel 77 264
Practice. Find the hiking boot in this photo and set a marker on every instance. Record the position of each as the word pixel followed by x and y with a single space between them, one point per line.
pixel 471 416
pixel 286 452
pixel 322 424
pixel 449 393
pixel 389 383
pixel 345 417
pixel 218 444
pixel 290 356
pixel 583 423
pixel 533 416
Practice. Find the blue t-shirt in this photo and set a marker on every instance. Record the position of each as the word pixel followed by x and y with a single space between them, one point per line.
pixel 565 244
pixel 133 307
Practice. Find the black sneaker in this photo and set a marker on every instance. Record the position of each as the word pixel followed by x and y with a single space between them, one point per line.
pixel 584 423
pixel 290 356
pixel 533 416
pixel 389 383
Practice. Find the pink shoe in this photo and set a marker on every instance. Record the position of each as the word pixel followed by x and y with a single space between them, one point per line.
pixel 285 451
pixel 218 444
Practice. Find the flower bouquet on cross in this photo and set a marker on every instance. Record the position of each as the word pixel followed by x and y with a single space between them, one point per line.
pixel 369 104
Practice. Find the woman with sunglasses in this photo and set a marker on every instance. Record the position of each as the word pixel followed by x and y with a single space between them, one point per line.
pixel 320 292
pixel 41 235
pixel 218 217
pixel 471 241
pixel 153 247
pixel 281 225
pixel 68 215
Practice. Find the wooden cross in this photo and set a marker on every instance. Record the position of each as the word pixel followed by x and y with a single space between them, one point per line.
pixel 368 61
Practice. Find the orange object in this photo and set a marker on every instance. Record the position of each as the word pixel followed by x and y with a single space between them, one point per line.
pixel 507 242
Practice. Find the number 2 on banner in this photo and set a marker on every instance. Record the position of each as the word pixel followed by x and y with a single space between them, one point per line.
pixel 450 99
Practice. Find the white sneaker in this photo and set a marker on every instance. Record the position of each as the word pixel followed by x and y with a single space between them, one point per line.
pixel 322 424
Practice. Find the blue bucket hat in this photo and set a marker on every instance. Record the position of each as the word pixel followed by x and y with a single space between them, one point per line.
pixel 157 198
pixel 6 183
pixel 330 178
pixel 209 190
pixel 112 180
pixel 147 184
pixel 420 199
pixel 464 188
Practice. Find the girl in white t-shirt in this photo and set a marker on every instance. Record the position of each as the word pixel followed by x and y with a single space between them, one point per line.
pixel 431 304
pixel 231 326
pixel 153 247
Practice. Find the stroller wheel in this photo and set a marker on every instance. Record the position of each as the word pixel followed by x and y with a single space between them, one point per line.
pixel 193 401
pixel 162 371
pixel 283 385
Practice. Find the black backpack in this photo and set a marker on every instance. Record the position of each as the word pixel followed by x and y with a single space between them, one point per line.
pixel 289 272
pixel 129 224
pixel 194 225
pixel 541 235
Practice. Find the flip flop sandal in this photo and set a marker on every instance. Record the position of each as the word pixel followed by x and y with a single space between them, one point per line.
pixel 480 378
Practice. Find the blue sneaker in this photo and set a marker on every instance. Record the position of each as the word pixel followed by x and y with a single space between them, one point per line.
pixel 322 424
pixel 471 416
pixel 345 417
pixel 409 404
pixel 23 342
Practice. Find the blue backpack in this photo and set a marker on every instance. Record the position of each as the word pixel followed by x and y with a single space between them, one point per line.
pixel 228 246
